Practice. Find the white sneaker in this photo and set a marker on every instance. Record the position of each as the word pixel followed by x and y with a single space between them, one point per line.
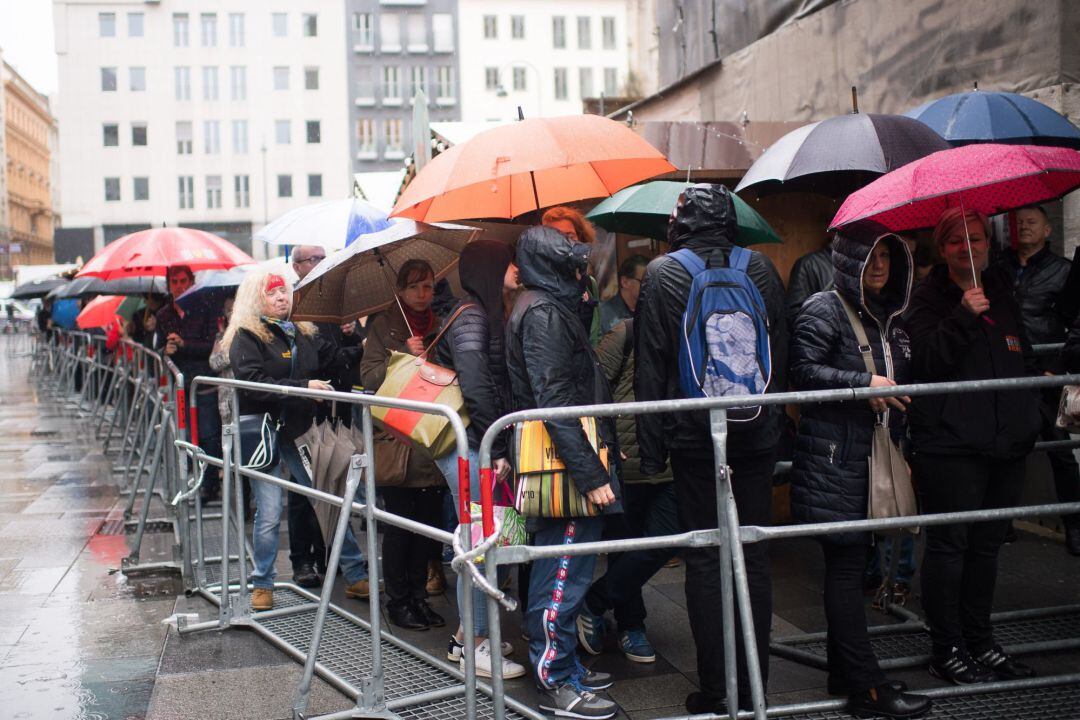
pixel 510 669
pixel 453 651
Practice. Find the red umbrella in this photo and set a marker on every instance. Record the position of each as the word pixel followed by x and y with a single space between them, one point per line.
pixel 99 312
pixel 153 252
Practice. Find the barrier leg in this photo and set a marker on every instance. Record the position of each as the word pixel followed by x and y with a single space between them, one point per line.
pixel 229 478
pixel 152 428
pixel 718 429
pixel 491 570
pixel 159 447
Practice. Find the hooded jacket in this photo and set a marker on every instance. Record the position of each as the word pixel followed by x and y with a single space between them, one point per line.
pixel 704 223
pixel 1038 287
pixel 549 356
pixel 949 343
pixel 830 472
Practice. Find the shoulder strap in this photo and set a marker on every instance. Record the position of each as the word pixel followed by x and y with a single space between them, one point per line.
pixel 739 258
pixel 689 260
pixel 860 334
pixel 445 327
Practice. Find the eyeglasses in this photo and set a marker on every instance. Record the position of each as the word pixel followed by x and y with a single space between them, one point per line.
pixel 314 260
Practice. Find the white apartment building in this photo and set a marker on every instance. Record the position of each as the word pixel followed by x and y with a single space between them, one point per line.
pixel 542 55
pixel 215 114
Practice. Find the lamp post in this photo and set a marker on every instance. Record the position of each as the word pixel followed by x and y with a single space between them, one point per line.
pixel 501 90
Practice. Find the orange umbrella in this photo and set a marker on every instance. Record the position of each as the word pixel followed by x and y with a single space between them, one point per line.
pixel 99 312
pixel 518 168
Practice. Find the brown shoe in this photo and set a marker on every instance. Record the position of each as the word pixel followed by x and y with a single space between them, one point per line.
pixel 673 562
pixel 436 580
pixel 361 589
pixel 262 599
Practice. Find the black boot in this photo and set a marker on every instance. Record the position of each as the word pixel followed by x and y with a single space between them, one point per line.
pixel 405 616
pixel 885 701
pixel 305 576
pixel 423 610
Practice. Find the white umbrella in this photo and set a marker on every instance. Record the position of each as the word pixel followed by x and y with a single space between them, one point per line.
pixel 332 224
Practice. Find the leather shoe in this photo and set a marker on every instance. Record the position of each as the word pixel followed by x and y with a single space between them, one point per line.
pixel 1072 539
pixel 884 701
pixel 262 599
pixel 405 616
pixel 698 703
pixel 361 590
pixel 840 687
pixel 305 576
pixel 432 618
pixel 436 578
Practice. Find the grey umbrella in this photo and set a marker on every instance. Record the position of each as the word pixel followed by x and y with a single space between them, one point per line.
pixel 122 286
pixel 38 288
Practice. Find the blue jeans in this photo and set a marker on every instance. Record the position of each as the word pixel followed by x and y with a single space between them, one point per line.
pixel 905 565
pixel 268 501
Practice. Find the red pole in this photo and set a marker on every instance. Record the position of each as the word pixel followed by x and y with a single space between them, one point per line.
pixel 181 409
pixel 464 517
pixel 487 501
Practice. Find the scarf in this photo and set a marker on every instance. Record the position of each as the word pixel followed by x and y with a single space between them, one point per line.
pixel 286 326
pixel 420 322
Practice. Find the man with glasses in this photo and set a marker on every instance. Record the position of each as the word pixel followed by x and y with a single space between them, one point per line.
pixel 615 310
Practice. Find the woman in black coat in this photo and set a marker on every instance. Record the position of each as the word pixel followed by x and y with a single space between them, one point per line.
pixel 830 472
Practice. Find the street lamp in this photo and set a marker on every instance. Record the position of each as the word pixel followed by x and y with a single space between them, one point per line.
pixel 500 90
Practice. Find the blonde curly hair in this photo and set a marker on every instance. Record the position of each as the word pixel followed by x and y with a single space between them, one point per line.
pixel 248 309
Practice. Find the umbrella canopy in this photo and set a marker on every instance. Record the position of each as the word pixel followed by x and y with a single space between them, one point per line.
pixel 645 209
pixel 38 288
pixel 989 179
pixel 837 156
pixel 333 224
pixel 83 286
pixel 359 280
pixel 154 251
pixel 99 312
pixel 64 312
pixel 518 168
pixel 996 117
pixel 212 287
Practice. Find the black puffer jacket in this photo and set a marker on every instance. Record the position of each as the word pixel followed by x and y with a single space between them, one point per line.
pixel 810 274
pixel 949 343
pixel 830 471
pixel 549 357
pixel 1038 287
pixel 1072 348
pixel 255 360
pixel 705 223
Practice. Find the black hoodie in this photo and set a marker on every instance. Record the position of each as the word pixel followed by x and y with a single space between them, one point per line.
pixel 549 356
pixel 705 224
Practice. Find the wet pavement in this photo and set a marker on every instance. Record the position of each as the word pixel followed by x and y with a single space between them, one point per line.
pixel 80 640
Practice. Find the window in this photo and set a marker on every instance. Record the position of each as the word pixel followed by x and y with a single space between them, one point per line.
pixel 517 27
pixel 389 32
pixel 141 188
pixel 607 25
pixel 236 29
pixel 111 133
pixel 182 82
pixel 585 82
pixel 416 28
pixel 560 83
pixel 311 78
pixel 238 82
pixel 135 24
pixel 365 85
pixel 442 31
pixel 242 190
pixel 393 137
pixel 211 137
pixel 280 24
pixel 391 85
pixel 240 137
pixel 491 27
pixel 106 24
pixel 137 79
pixel 187 192
pixel 138 134
pixel 213 191
pixel 282 132
pixel 180 29
pixel 108 79
pixel 281 78
pixel 284 186
pixel 314 132
pixel 365 30
pixel 491 78
pixel 584 33
pixel 208 24
pixel 183 137
pixel 558 32
pixel 519 78
pixel 112 189
pixel 210 82
pixel 417 81
pixel 365 135
pixel 611 82
pixel 310 23
pixel 314 185
pixel 444 82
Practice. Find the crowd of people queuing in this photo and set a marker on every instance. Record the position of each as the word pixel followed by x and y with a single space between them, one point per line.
pixel 530 332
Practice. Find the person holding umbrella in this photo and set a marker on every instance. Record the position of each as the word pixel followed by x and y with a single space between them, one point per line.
pixel 969 450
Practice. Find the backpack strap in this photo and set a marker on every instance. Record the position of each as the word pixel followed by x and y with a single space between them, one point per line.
pixel 690 261
pixel 865 350
pixel 739 258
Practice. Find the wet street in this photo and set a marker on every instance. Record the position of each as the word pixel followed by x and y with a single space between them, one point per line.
pixel 79 639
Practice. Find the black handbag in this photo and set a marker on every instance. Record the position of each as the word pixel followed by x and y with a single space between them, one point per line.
pixel 258 442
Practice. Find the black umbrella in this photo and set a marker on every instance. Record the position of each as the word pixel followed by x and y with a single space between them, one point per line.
pixel 87 285
pixel 38 288
pixel 837 156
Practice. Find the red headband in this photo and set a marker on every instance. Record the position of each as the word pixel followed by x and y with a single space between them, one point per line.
pixel 273 282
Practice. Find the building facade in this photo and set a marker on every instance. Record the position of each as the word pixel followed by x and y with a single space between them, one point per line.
pixel 544 56
pixel 215 115
pixel 394 48
pixel 28 156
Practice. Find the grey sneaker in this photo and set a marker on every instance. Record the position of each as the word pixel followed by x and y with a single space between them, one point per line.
pixel 570 700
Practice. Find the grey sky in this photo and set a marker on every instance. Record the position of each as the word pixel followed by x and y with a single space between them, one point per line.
pixel 26 37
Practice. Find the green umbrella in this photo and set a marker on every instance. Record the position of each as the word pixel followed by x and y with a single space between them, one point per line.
pixel 644 210
pixel 130 306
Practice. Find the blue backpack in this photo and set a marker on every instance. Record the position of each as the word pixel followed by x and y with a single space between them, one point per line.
pixel 724 338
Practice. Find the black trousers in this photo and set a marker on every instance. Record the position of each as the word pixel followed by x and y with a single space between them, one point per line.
pixel 305 537
pixel 405 554
pixel 695 489
pixel 1062 462
pixel 852 663
pixel 959 570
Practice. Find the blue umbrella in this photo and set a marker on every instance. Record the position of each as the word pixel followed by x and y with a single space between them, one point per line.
pixel 996 117
pixel 209 292
pixel 64 312
pixel 332 224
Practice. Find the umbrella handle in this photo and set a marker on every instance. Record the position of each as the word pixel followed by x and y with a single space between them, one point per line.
pixel 967 239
